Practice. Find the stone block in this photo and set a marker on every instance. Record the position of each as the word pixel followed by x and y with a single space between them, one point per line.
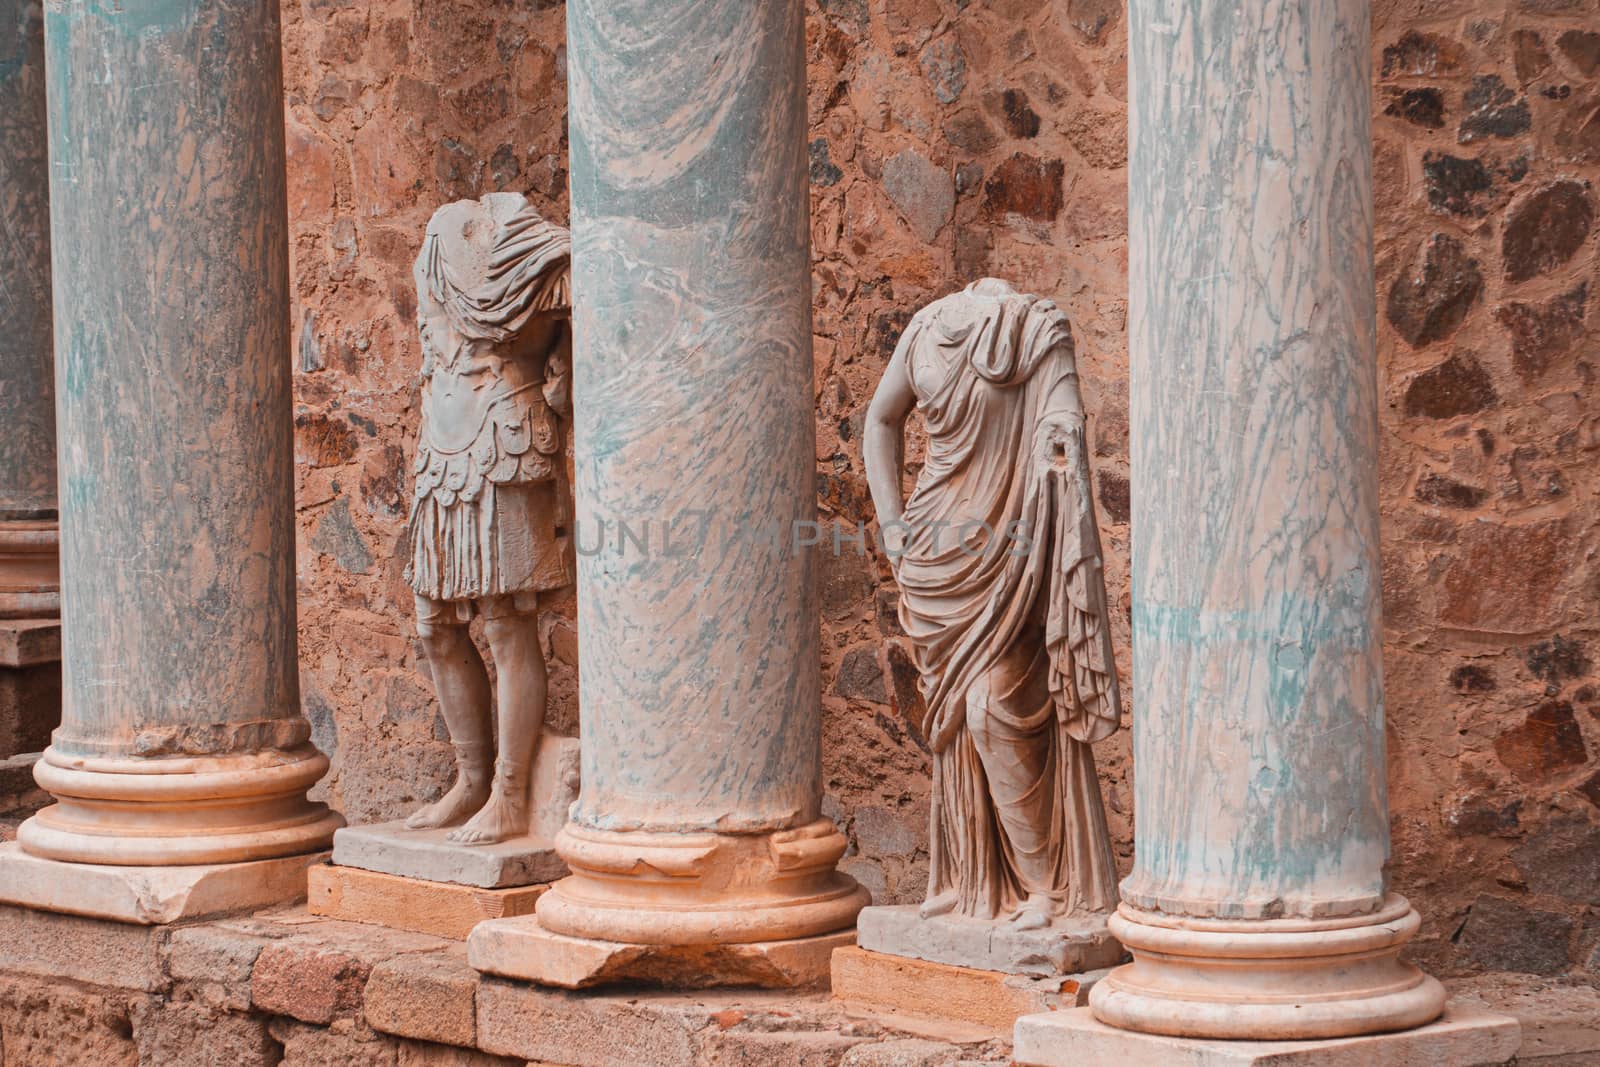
pixel 29 642
pixel 309 982
pixel 515 1019
pixel 189 1035
pixel 443 909
pixel 896 985
pixel 1560 1017
pixel 780 1048
pixel 904 1052
pixel 30 707
pixel 51 1024
pixel 425 996
pixel 336 1046
pixel 1462 1038
pixel 520 948
pixel 150 895
pixel 1067 946
pixel 211 964
pixel 111 954
pixel 417 1054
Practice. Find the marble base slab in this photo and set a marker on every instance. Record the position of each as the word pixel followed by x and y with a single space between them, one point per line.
pixel 150 896
pixel 1068 946
pixel 1464 1037
pixel 389 848
pixel 520 948
pixel 878 983
pixel 443 909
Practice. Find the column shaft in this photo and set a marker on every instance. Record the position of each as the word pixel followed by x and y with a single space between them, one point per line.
pixel 701 730
pixel 171 318
pixel 1260 867
pixel 29 571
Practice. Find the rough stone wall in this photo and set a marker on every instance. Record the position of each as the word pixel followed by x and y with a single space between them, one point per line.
pixel 956 138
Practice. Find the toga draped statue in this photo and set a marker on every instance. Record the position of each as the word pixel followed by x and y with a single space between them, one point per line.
pixel 997 557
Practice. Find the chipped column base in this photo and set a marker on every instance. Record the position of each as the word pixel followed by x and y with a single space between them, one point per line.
pixel 884 983
pixel 1462 1038
pixel 422 906
pixel 150 896
pixel 520 948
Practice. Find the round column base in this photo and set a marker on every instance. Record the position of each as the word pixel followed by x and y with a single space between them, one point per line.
pixel 30 569
pixel 701 888
pixel 1270 979
pixel 181 811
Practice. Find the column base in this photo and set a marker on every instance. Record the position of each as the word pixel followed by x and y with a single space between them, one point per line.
pixel 521 948
pixel 1269 979
pixel 1462 1038
pixel 30 569
pixel 180 811
pixel 150 896
pixel 701 888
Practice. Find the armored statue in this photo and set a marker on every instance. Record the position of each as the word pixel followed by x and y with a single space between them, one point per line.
pixel 489 528
pixel 997 557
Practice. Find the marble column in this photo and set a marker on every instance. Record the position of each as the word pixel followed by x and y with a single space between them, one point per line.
pixel 29 574
pixel 698 820
pixel 182 740
pixel 1259 904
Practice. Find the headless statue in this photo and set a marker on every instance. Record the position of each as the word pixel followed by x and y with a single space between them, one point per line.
pixel 1011 636
pixel 488 525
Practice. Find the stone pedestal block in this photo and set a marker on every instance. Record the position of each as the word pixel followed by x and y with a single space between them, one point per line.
pixel 522 948
pixel 443 909
pixel 1462 1038
pixel 878 982
pixel 30 684
pixel 1068 946
pixel 150 895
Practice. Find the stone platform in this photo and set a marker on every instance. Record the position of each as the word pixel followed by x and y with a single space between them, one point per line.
pixel 150 895
pixel 286 987
pixel 865 981
pixel 520 948
pixel 1068 946
pixel 440 908
pixel 1465 1037
pixel 389 848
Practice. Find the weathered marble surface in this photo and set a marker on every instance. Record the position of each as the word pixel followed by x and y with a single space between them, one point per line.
pixel 1256 617
pixel 168 218
pixel 182 740
pixel 1070 945
pixel 27 372
pixel 692 390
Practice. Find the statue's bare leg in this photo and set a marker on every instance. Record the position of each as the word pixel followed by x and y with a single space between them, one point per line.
pixel 522 685
pixel 462 682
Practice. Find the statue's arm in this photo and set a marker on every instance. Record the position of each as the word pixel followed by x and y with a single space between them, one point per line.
pixel 883 439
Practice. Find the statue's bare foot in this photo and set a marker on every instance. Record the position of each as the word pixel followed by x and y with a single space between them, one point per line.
pixel 454 807
pixel 1033 915
pixel 943 904
pixel 498 820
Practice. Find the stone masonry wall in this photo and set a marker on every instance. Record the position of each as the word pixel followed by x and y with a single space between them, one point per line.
pixel 957 138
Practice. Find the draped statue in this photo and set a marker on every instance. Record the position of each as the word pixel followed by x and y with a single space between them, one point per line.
pixel 997 557
pixel 489 529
